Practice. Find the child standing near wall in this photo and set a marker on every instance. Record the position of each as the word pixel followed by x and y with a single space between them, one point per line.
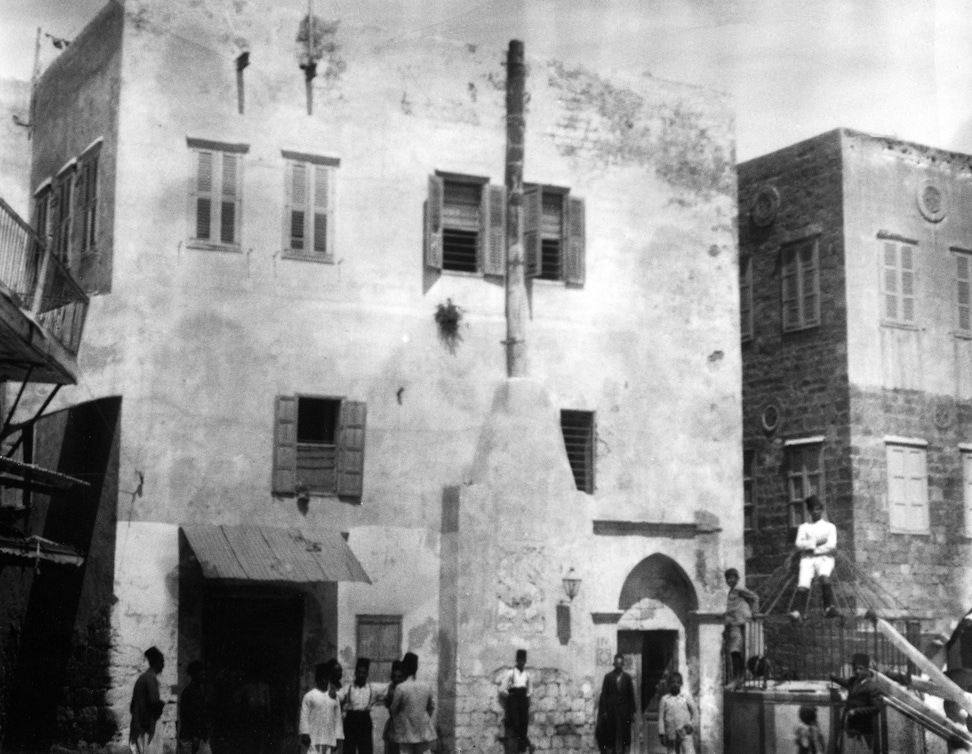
pixel 740 606
pixel 678 717
pixel 809 739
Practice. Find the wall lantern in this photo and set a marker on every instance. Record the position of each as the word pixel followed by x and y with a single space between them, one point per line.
pixel 572 584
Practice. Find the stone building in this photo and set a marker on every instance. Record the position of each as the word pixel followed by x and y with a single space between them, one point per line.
pixel 855 264
pixel 298 314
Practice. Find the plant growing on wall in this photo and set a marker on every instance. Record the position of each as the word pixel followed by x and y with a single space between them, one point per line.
pixel 448 317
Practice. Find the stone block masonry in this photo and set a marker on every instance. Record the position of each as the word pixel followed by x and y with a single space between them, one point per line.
pixel 562 712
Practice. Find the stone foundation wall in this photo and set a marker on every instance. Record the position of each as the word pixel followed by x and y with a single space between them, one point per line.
pixel 561 713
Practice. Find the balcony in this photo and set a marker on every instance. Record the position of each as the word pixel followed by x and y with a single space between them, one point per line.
pixel 42 308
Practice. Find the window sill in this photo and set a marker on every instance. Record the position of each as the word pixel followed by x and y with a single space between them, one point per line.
pixel 461 273
pixel 899 325
pixel 803 328
pixel 206 246
pixel 961 335
pixel 297 256
pixel 909 532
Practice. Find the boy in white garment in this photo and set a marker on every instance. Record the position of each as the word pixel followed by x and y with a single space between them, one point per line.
pixel 816 542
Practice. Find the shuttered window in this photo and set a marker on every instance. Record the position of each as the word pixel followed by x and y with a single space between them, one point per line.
pixel 380 640
pixel 907 488
pixel 42 216
pixel 966 456
pixel 749 503
pixel 898 283
pixel 309 206
pixel 963 281
pixel 800 278
pixel 216 193
pixel 553 234
pixel 804 469
pixel 465 225
pixel 61 209
pixel 86 202
pixel 746 297
pixel 318 446
pixel 460 226
pixel 578 431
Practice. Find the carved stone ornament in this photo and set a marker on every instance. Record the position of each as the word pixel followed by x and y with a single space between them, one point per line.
pixel 943 414
pixel 931 201
pixel 770 418
pixel 766 203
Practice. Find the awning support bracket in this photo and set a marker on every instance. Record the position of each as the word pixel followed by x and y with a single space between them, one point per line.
pixel 9 429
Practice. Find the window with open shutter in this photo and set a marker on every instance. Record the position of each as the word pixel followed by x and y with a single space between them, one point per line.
pixel 494 230
pixel 309 206
pixel 575 262
pixel 62 214
pixel 216 193
pixel 433 223
pixel 804 469
pixel 462 225
pixel 907 487
pixel 86 202
pixel 532 230
pixel 350 466
pixel 967 489
pixel 285 445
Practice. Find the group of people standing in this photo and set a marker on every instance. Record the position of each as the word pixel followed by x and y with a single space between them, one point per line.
pixel 330 713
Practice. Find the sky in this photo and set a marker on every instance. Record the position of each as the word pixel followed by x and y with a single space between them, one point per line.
pixel 792 68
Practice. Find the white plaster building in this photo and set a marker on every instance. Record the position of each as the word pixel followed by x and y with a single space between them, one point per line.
pixel 266 282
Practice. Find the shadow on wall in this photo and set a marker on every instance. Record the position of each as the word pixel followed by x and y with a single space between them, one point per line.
pixel 60 672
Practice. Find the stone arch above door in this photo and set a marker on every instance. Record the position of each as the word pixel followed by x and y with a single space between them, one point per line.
pixel 657 584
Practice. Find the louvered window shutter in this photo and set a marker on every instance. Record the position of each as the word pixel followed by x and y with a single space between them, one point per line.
pixel 897 488
pixel 433 223
pixel 351 440
pixel 204 195
pixel 810 284
pixel 967 490
pixel 229 204
pixel 791 293
pixel 963 279
pixel 321 204
pixel 494 230
pixel 575 243
pixel 91 205
pixel 532 217
pixel 918 488
pixel 890 281
pixel 285 445
pixel 297 207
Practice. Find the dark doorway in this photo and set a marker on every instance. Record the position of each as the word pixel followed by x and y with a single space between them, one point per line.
pixel 252 643
pixel 649 655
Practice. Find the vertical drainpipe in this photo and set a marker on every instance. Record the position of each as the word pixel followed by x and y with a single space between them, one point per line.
pixel 516 297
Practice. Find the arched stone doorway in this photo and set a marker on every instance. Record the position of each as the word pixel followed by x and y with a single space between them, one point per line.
pixel 656 636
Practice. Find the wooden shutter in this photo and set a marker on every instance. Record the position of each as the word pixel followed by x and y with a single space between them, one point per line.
pixel 897 487
pixel 967 490
pixel 433 223
pixel 297 207
pixel 907 284
pixel 532 217
pixel 230 197
pixel 203 201
pixel 790 290
pixel 917 489
pixel 285 445
pixel 575 242
pixel 890 281
pixel 963 279
pixel 493 233
pixel 351 439
pixel 809 284
pixel 320 217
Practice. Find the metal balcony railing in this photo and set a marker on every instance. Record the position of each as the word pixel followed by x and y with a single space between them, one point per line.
pixel 40 284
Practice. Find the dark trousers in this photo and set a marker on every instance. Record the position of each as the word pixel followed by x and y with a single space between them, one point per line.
pixel 357 733
pixel 518 717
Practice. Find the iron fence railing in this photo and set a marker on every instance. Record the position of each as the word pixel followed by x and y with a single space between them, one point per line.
pixel 39 282
pixel 818 648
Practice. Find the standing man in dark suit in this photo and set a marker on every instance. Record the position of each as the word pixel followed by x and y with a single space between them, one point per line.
pixel 615 710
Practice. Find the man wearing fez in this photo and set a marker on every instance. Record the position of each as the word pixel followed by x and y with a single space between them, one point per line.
pixel 321 726
pixel 412 707
pixel 861 707
pixel 358 699
pixel 515 692
pixel 146 706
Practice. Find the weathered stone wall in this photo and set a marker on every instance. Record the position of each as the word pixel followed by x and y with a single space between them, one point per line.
pixel 562 710
pixel 802 374
pixel 14 145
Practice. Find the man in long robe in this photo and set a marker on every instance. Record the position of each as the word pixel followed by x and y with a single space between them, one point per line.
pixel 615 710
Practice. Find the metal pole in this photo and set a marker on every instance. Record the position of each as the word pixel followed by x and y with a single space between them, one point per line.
pixel 516 298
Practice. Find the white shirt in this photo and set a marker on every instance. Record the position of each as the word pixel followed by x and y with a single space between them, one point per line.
pixel 517 679
pixel 819 538
pixel 356 698
pixel 320 718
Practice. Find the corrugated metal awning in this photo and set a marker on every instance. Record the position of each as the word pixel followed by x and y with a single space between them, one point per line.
pixel 261 553
pixel 55 479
